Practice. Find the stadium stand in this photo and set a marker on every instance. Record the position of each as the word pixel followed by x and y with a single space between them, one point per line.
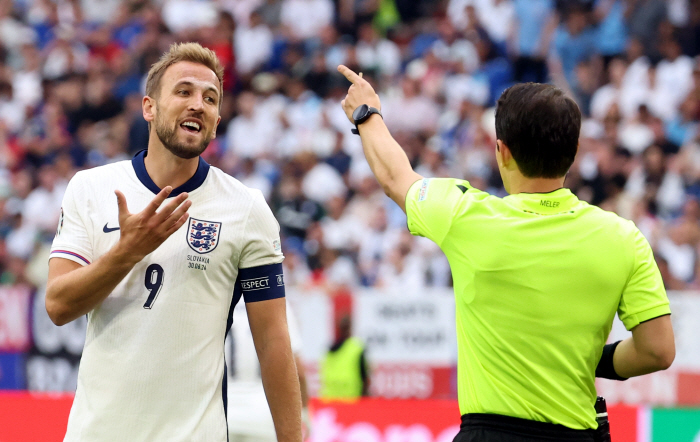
pixel 72 76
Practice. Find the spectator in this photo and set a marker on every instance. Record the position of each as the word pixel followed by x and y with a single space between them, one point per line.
pixel 409 110
pixel 305 18
pixel 375 54
pixel 535 22
pixel 574 42
pixel 643 20
pixel 252 133
pixel 253 42
pixel 672 82
pixel 182 15
pixel 611 93
pixel 343 372
pixel 612 30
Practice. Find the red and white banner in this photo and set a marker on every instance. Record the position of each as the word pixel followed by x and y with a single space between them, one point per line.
pixel 381 420
pixel 413 381
pixel 400 381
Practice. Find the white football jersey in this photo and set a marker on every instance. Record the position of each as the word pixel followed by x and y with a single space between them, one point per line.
pixel 153 364
pixel 248 410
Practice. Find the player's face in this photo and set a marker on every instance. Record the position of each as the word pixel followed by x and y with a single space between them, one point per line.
pixel 187 110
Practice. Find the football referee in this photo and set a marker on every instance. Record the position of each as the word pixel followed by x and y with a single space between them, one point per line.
pixel 538 275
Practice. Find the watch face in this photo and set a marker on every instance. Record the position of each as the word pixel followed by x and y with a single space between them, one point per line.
pixel 360 112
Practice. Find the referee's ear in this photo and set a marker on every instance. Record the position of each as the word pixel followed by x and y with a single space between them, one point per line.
pixel 503 155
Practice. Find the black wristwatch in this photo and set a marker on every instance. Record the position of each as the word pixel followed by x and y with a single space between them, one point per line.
pixel 361 114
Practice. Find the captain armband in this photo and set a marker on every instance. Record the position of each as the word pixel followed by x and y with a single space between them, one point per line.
pixel 261 283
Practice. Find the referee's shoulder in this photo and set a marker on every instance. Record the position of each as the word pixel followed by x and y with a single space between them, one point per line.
pixel 611 220
pixel 458 187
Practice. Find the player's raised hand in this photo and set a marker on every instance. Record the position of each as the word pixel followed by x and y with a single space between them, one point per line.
pixel 142 233
pixel 359 93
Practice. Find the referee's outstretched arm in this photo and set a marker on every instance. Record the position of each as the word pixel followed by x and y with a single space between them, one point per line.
pixel 386 158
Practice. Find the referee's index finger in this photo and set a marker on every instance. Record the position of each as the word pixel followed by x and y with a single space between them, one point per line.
pixel 349 74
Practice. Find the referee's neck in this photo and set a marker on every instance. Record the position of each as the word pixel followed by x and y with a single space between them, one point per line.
pixel 522 184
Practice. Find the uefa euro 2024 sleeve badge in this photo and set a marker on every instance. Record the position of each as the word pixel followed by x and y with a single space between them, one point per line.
pixel 203 236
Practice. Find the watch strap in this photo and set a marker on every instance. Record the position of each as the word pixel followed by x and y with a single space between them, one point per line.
pixel 371 110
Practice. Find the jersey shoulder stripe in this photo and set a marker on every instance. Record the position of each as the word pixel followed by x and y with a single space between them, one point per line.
pixel 68 252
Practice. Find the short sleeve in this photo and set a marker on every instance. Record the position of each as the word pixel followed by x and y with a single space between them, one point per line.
pixel 430 206
pixel 73 235
pixel 261 235
pixel 644 296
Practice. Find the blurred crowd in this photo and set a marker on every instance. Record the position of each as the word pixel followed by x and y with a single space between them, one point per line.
pixel 72 76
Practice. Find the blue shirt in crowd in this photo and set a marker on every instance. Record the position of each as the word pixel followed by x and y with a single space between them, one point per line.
pixel 532 17
pixel 612 31
pixel 573 49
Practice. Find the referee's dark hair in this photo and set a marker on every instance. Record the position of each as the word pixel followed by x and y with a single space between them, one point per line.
pixel 540 125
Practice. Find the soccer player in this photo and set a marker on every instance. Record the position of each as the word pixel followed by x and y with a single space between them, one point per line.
pixel 538 275
pixel 159 270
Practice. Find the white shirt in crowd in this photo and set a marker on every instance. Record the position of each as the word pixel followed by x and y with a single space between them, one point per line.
pixel 180 15
pixel 674 80
pixel 495 16
pixel 253 47
pixel 305 18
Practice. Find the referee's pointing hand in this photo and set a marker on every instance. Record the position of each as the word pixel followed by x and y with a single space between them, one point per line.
pixel 360 92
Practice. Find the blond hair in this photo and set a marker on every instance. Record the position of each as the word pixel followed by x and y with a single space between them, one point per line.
pixel 192 52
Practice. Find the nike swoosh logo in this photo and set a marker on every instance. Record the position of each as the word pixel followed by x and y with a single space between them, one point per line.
pixel 109 229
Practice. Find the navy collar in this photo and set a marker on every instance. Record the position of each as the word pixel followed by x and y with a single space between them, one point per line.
pixel 193 183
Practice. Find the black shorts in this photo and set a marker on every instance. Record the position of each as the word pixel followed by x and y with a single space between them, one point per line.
pixel 497 428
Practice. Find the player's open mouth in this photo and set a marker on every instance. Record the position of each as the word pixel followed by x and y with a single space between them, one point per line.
pixel 191 126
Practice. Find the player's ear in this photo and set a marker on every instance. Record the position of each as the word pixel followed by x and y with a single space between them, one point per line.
pixel 215 127
pixel 148 107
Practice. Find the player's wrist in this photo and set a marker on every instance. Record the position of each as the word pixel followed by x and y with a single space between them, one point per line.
pixel 124 254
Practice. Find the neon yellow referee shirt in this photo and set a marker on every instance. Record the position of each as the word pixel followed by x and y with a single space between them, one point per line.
pixel 537 280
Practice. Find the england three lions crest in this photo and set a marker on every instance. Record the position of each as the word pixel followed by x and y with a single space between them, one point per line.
pixel 203 236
